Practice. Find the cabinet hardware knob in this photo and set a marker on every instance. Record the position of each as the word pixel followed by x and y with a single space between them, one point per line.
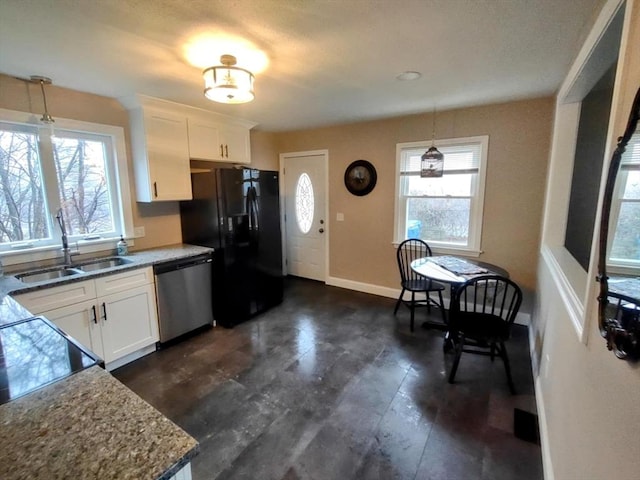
pixel 104 311
pixel 321 230
pixel 155 189
pixel 94 314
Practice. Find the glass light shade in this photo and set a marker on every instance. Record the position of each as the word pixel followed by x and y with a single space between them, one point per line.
pixel 227 84
pixel 432 163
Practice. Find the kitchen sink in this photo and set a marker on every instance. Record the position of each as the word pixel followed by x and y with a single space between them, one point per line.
pixel 102 263
pixel 48 274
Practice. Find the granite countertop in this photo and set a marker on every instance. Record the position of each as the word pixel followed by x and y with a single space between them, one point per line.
pixel 143 258
pixel 89 426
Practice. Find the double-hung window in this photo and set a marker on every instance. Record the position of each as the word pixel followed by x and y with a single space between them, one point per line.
pixel 444 211
pixel 78 170
pixel 625 209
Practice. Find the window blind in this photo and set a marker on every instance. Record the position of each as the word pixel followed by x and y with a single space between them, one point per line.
pixel 457 159
pixel 631 157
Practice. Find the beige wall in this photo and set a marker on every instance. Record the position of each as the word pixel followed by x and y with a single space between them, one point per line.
pixel 519 139
pixel 162 220
pixel 264 152
pixel 519 136
pixel 587 397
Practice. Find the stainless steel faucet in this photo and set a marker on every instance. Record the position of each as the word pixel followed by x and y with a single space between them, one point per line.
pixel 66 251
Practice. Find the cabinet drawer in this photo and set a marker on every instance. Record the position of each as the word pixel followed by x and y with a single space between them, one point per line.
pixel 123 281
pixel 55 297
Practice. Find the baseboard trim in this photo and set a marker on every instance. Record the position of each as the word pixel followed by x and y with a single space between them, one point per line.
pixel 523 318
pixel 363 287
pixel 547 465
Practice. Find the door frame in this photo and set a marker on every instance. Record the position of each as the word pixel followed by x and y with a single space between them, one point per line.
pixel 283 229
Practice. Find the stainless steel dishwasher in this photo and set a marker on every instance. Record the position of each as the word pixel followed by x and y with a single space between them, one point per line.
pixel 183 290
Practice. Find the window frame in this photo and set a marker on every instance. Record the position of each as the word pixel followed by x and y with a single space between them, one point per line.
pixel 476 213
pixel 117 170
pixel 616 264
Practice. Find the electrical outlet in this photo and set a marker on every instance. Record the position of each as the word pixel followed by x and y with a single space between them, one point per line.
pixel 138 232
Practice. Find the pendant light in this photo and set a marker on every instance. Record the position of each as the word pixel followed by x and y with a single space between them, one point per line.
pixel 432 161
pixel 46 119
pixel 227 83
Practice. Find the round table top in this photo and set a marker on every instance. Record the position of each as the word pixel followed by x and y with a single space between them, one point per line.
pixel 453 269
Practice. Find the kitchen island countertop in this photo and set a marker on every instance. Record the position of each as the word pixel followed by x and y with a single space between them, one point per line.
pixel 89 426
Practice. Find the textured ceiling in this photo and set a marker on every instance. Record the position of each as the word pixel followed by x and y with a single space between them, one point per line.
pixel 329 62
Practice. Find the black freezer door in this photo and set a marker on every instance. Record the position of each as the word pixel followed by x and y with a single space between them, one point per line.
pixel 199 218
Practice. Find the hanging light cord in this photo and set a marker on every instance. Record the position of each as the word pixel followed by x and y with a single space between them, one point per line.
pixel 433 131
pixel 46 117
pixel 44 97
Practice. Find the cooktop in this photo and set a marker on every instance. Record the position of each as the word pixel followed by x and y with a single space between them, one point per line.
pixel 35 353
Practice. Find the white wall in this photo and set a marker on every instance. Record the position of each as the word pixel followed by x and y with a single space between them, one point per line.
pixel 588 400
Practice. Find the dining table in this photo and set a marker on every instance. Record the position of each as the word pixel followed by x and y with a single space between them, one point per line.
pixel 453 271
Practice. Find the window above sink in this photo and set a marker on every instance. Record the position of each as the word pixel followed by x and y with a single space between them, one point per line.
pixel 78 167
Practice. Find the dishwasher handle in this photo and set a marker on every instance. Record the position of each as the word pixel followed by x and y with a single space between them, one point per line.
pixel 174 265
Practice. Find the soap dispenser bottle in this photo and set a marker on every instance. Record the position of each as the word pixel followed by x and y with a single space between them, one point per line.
pixel 123 248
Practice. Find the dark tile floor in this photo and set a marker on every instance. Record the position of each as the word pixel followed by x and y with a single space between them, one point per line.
pixel 330 385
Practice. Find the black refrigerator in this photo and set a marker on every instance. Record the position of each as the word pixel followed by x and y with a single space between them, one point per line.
pixel 237 213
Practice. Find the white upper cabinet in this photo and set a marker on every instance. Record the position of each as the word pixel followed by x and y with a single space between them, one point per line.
pixel 219 140
pixel 204 140
pixel 236 142
pixel 160 144
pixel 166 135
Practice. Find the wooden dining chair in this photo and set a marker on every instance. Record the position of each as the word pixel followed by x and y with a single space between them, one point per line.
pixel 411 281
pixel 481 313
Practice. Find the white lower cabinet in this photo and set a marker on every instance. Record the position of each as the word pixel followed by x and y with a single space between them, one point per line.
pixel 80 322
pixel 115 317
pixel 129 322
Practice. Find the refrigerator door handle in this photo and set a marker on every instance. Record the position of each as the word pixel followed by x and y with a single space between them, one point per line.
pixel 252 208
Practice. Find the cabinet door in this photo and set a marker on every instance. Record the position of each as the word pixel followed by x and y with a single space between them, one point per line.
pixel 236 143
pixel 79 321
pixel 204 141
pixel 129 321
pixel 167 143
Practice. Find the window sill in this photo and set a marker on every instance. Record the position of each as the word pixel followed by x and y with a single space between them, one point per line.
pixel 571 282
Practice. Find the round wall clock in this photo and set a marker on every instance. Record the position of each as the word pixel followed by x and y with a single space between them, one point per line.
pixel 360 177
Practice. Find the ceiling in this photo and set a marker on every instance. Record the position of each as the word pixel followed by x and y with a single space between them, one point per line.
pixel 329 62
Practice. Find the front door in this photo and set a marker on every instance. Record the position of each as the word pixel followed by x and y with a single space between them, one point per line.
pixel 305 175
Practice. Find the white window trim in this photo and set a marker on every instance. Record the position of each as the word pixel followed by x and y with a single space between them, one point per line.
pixel 122 188
pixel 477 198
pixel 575 286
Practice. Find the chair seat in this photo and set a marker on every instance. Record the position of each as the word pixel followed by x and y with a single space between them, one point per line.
pixel 422 285
pixel 482 326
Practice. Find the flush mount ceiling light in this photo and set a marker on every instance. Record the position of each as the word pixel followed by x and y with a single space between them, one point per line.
pixel 46 118
pixel 432 161
pixel 228 84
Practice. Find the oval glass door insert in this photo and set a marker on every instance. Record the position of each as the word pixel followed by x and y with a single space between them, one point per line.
pixel 304 203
